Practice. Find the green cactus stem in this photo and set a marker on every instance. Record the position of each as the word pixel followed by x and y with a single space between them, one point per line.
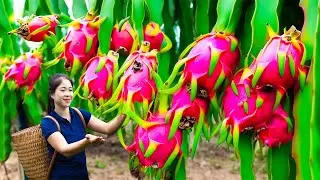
pixel 315 114
pixel 278 162
pixel 246 155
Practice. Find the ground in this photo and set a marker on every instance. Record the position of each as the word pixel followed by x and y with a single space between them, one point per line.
pixel 210 162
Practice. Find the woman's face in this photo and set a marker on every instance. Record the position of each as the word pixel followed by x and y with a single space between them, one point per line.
pixel 63 94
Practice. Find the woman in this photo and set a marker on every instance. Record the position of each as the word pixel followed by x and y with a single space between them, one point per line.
pixel 70 143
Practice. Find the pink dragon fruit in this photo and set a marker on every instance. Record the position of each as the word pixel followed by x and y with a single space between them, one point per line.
pixel 184 113
pixel 37 28
pixel 124 37
pixel 151 145
pixel 97 81
pixel 188 111
pixel 80 43
pixel 212 59
pixel 25 71
pixel 245 108
pixel 154 35
pixel 279 61
pixel 278 131
pixel 137 84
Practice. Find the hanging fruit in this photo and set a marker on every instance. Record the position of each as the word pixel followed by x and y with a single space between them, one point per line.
pixel 37 28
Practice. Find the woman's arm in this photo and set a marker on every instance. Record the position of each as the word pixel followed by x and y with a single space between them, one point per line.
pixel 59 143
pixel 106 128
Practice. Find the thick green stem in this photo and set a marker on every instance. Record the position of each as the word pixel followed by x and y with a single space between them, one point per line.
pixel 265 12
pixel 229 13
pixel 163 103
pixel 278 162
pixel 305 127
pixel 107 10
pixel 246 154
pixel 138 15
pixel 315 114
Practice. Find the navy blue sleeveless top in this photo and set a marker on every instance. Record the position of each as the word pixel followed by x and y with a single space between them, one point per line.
pixel 74 167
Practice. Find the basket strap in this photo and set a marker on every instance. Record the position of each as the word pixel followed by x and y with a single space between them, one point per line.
pixel 81 117
pixel 55 152
pixel 54 120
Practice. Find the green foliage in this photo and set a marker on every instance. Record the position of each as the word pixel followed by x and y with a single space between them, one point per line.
pixel 107 25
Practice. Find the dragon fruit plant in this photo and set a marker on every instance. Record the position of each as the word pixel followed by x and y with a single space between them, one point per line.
pixel 284 53
pixel 124 37
pixel 185 114
pixel 80 44
pixel 212 59
pixel 245 108
pixel 98 80
pixel 37 28
pixel 154 146
pixel 278 130
pixel 137 83
pixel 25 71
pixel 279 62
pixel 229 69
pixel 153 34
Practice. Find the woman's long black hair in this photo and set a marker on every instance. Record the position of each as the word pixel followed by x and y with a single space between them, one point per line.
pixel 54 82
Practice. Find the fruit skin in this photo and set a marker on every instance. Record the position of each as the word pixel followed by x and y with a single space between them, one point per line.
pixel 181 103
pixel 137 88
pixel 124 39
pixel 154 35
pixel 277 130
pixel 217 57
pixel 98 78
pixel 151 145
pixel 79 45
pixel 137 83
pixel 25 70
pixel 211 61
pixel 280 62
pixel 37 28
pixel 245 107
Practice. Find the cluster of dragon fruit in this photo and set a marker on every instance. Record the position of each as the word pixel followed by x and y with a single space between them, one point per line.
pixel 254 100
pixel 249 99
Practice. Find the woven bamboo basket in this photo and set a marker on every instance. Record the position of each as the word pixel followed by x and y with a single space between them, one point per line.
pixel 32 152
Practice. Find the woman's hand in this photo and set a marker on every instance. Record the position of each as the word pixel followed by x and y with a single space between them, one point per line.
pixel 59 143
pixel 94 139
